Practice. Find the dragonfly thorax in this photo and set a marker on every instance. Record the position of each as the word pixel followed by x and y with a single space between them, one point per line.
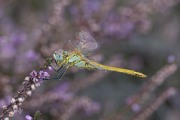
pixel 60 55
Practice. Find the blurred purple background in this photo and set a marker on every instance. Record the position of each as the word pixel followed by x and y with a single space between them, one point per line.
pixel 140 35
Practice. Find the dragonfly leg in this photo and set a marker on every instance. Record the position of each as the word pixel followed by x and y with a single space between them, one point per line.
pixel 57 70
pixel 61 72
pixel 58 65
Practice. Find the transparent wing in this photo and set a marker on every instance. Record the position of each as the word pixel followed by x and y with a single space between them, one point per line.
pixel 87 42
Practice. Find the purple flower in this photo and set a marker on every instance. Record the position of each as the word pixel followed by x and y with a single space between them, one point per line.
pixel 171 58
pixel 50 68
pixel 28 117
pixel 40 75
pixel 92 108
pixel 63 87
pixel 33 74
pixel 91 7
pixel 44 75
pixel 136 107
pixel 117 26
pixel 31 55
pixel 7 50
pixel 63 93
pixel 18 38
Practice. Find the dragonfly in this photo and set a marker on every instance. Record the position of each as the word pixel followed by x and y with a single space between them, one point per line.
pixel 65 59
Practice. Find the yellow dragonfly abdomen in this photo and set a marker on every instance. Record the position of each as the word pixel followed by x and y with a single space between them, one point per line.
pixel 115 69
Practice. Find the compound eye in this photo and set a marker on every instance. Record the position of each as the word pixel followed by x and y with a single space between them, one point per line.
pixel 58 55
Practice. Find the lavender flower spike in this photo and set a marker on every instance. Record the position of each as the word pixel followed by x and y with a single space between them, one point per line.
pixel 30 83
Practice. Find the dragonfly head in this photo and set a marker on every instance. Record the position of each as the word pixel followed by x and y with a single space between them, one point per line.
pixel 59 55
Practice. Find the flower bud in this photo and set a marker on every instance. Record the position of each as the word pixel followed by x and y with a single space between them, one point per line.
pixel 4 107
pixel 21 99
pixel 6 118
pixel 15 107
pixel 33 87
pixel 11 113
pixel 29 93
pixel 13 100
pixel 27 79
pixel 37 84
